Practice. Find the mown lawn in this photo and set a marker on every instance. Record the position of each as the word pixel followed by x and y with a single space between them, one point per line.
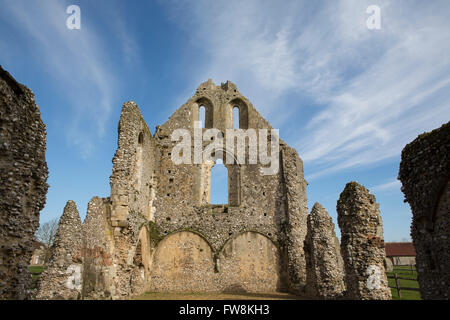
pixel 404 272
pixel 35 273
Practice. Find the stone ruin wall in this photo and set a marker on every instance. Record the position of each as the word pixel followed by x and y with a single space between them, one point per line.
pixel 425 175
pixel 23 184
pixel 97 251
pixel 157 230
pixel 362 244
pixel 325 269
pixel 62 279
pixel 257 203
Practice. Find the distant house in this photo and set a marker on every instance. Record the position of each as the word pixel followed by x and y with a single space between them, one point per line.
pixel 39 252
pixel 400 253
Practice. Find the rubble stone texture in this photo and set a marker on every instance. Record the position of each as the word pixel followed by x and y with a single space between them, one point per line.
pixel 158 230
pixel 325 270
pixel 425 173
pixel 23 184
pixel 166 207
pixel 63 277
pixel 362 244
pixel 97 251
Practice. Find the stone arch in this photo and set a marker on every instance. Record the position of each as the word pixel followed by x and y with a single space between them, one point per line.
pixel 250 261
pixel 183 261
pixel 243 111
pixel 209 111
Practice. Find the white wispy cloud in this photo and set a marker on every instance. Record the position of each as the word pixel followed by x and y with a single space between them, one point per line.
pixel 75 59
pixel 391 185
pixel 373 90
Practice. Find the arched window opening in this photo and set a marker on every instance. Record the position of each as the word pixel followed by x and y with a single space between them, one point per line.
pixel 219 183
pixel 202 116
pixel 236 117
pixel 240 114
pixel 141 138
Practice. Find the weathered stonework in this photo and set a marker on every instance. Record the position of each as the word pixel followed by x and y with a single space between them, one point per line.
pixel 362 244
pixel 158 230
pixel 325 270
pixel 425 176
pixel 63 277
pixel 23 184
pixel 97 251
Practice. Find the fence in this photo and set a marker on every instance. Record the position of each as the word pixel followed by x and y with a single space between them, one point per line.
pixel 397 286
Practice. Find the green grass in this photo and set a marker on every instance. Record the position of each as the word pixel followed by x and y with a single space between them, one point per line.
pixel 404 271
pixel 36 269
pixel 35 273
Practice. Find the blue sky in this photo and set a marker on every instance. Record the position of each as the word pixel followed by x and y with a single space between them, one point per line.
pixel 347 98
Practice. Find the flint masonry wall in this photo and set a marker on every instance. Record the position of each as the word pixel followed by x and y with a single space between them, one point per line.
pixel 325 270
pixel 362 244
pixel 62 279
pixel 159 208
pixel 159 228
pixel 97 251
pixel 23 184
pixel 424 173
pixel 273 206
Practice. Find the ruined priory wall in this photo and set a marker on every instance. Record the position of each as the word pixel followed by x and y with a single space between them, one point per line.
pixel 424 173
pixel 257 202
pixel 131 179
pixel 98 250
pixel 185 262
pixel 62 279
pixel 23 184
pixel 180 204
pixel 362 244
pixel 296 220
pixel 325 272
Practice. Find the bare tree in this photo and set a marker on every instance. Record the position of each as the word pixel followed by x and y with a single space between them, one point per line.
pixel 46 235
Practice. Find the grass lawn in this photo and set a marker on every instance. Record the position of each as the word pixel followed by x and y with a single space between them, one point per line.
pixel 404 272
pixel 35 273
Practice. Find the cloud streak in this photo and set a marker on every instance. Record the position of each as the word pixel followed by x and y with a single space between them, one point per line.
pixel 391 185
pixel 371 92
pixel 76 60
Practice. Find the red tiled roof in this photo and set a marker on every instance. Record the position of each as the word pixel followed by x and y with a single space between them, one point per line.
pixel 400 249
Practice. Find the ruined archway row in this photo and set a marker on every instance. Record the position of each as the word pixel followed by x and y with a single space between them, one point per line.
pixel 185 261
